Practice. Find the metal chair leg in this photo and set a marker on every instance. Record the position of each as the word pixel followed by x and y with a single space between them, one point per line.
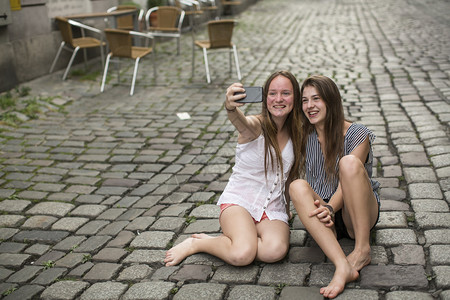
pixel 75 51
pixel 236 60
pixel 136 66
pixel 57 56
pixel 205 55
pixel 105 72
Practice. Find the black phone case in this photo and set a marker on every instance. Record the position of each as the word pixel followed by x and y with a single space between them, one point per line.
pixel 254 94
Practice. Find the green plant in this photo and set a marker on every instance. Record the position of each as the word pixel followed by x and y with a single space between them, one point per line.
pixel 23 91
pixel 190 219
pixel 153 3
pixel 86 258
pixel 279 287
pixel 6 100
pixel 9 291
pixel 174 291
pixel 48 264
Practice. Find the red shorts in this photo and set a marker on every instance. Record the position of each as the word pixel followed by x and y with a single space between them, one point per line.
pixel 226 205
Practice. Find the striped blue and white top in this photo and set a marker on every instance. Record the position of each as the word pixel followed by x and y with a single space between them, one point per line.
pixel 315 162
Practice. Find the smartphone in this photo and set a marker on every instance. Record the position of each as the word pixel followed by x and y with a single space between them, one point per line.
pixel 253 94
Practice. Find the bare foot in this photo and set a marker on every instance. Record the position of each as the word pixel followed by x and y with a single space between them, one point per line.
pixel 201 236
pixel 341 277
pixel 359 259
pixel 179 252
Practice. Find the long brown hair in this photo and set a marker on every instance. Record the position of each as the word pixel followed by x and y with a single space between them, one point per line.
pixel 293 123
pixel 333 127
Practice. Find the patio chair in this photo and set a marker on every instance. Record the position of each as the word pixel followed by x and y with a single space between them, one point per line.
pixel 127 22
pixel 167 24
pixel 72 44
pixel 220 33
pixel 228 4
pixel 121 44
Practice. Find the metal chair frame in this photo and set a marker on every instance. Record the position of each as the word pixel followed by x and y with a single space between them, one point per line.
pixel 76 43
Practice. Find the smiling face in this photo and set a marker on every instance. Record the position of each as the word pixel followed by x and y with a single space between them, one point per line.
pixel 313 106
pixel 280 97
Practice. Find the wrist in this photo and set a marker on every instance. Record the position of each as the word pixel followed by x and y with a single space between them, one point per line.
pixel 229 110
pixel 331 210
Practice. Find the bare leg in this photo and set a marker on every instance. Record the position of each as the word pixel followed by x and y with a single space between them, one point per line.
pixel 273 240
pixel 237 246
pixel 303 198
pixel 360 209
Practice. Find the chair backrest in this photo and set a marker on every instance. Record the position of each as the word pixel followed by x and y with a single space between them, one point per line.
pixel 124 21
pixel 119 41
pixel 66 30
pixel 220 33
pixel 168 17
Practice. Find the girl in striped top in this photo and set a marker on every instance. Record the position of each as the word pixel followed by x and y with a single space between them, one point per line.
pixel 336 159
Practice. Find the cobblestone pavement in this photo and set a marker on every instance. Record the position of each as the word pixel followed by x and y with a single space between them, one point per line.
pixel 95 193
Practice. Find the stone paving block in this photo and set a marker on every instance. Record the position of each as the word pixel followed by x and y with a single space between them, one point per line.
pixel 80 270
pixel 104 291
pixel 392 194
pixel 6 288
pixel 113 228
pixel 145 256
pixel 442 274
pixel 4 273
pixel 127 201
pixel 235 275
pixel 64 290
pixel 429 205
pixel 427 220
pixel 135 273
pixel 11 247
pixel 25 274
pixel 306 255
pixel 414 175
pixel 350 294
pixel 14 206
pixel 437 236
pixel 174 198
pixel 11 220
pixel 37 249
pixel 111 190
pixel 424 191
pixel 203 225
pixel 176 210
pixel 111 214
pixel 168 223
pixel 392 219
pixel 152 239
pixel 69 223
pixel 110 255
pixel 440 254
pixel 212 291
pixel 80 189
pixel 71 260
pixel 57 209
pixel 13 260
pixel 93 243
pixel 164 273
pixel 414 159
pixel 301 293
pixel 140 223
pixel 284 273
pixel 192 273
pixel 40 236
pixel 206 211
pixel 48 276
pixel 250 292
pixel 25 292
pixel 6 233
pixel 88 210
pixel 90 199
pixel 321 274
pixel 445 295
pixel 39 222
pixel 440 161
pixel 147 202
pixel 122 239
pixel 69 243
pixel 149 290
pixel 392 205
pixel 404 295
pixel 406 277
pixel 50 256
pixel 92 227
pixel 408 255
pixel 102 271
pixel 394 237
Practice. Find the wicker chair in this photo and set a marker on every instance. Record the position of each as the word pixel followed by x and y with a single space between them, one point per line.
pixel 168 22
pixel 72 44
pixel 127 22
pixel 121 44
pixel 220 33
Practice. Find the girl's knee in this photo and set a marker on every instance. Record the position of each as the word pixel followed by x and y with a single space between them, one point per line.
pixel 274 252
pixel 297 188
pixel 242 256
pixel 350 165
